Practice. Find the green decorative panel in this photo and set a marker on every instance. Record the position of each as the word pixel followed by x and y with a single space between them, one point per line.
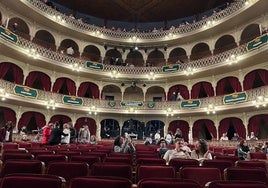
pixel 170 68
pixel 95 66
pixel 235 98
pixel 72 100
pixel 151 104
pixel 8 35
pixel 25 91
pixel 112 103
pixel 190 104
pixel 257 42
pixel 131 103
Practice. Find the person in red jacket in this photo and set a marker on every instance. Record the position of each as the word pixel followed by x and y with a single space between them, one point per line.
pixel 46 133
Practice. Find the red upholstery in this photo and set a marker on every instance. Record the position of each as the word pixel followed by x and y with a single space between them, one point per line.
pixel 125 160
pixel 21 166
pixel 230 151
pixel 150 161
pixel 151 155
pixel 67 170
pixel 69 153
pixel 167 183
pixel 41 152
pixel 25 145
pixel 32 180
pixel 15 151
pixel 257 155
pixel 51 157
pixel 241 173
pixel 202 175
pixel 178 163
pixel 10 146
pixel 112 169
pixel 236 184
pixel 233 159
pixel 144 171
pixel 260 164
pixel 98 154
pixel 6 156
pixel 218 163
pixel 100 182
pixel 125 155
pixel 85 158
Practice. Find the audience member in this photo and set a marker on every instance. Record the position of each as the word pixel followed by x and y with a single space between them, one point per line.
pixel 252 136
pixel 56 134
pixel 46 131
pixel 169 137
pixel 178 133
pixel 201 151
pixel 242 150
pixel 70 51
pixel 235 137
pixel 265 147
pixel 162 147
pixel 67 131
pixel 123 145
pixel 73 134
pixel 93 139
pixel 173 97
pixel 84 135
pixel 179 97
pixel 6 132
pixel 157 136
pixel 224 137
pixel 178 152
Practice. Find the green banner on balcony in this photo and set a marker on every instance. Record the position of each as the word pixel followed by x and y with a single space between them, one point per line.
pixel 8 35
pixel 235 98
pixel 95 66
pixel 25 91
pixel 257 42
pixel 190 104
pixel 112 103
pixel 72 100
pixel 170 68
pixel 129 103
pixel 151 104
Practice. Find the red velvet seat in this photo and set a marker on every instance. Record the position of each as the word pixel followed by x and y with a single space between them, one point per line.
pixel 167 183
pixel 236 184
pixel 233 159
pixel 67 170
pixel 125 160
pixel 178 163
pixel 150 161
pixel 25 145
pixel 51 158
pixel 242 173
pixel 15 151
pixel 202 175
pixel 32 181
pixel 100 182
pixel 22 166
pixel 41 152
pixel 257 155
pixel 85 158
pixel 112 169
pixel 218 163
pixel 117 154
pixel 6 156
pixel 69 153
pixel 260 164
pixel 10 146
pixel 146 171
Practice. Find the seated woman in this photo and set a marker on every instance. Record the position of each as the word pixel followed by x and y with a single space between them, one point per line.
pixel 201 151
pixel 242 150
pixel 124 145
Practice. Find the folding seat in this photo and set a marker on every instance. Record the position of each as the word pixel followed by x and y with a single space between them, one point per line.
pixel 230 151
pixel 218 150
pixel 25 145
pixel 32 180
pixel 202 175
pixel 100 182
pixel 69 153
pixel 10 146
pixel 36 145
pixel 178 163
pixel 150 161
pixel 233 159
pixel 218 163
pixel 125 155
pixel 22 166
pixel 236 184
pixel 46 158
pixel 85 158
pixel 98 154
pixel 153 171
pixel 41 152
pixel 6 156
pixel 125 160
pixel 67 170
pixel 152 155
pixel 111 169
pixel 260 164
pixel 242 173
pixel 15 151
pixel 167 183
pixel 257 155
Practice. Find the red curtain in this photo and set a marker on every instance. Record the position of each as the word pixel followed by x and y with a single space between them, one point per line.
pixel 31 78
pixel 179 88
pixel 63 118
pixel 9 115
pixel 58 84
pixel 71 86
pixel 255 121
pixel 208 88
pixel 184 127
pixel 86 121
pixel 195 90
pixel 94 90
pixel 82 89
pixel 234 82
pixel 197 126
pixel 236 85
pixel 18 74
pixel 249 80
pixel 45 79
pixel 3 69
pixel 26 117
pixel 236 122
pixel 263 75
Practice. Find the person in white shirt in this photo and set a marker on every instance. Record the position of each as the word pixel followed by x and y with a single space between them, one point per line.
pixel 157 136
pixel 201 151
pixel 252 136
pixel 66 130
pixel 224 137
pixel 70 51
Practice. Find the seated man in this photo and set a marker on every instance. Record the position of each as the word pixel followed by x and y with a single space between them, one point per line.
pixel 178 152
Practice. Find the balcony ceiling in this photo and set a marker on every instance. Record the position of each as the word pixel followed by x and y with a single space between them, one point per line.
pixel 141 10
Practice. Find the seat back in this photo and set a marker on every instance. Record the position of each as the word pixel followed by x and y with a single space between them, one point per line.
pixel 12 166
pixel 112 169
pixel 236 184
pixel 125 160
pixel 150 161
pixel 85 158
pixel 233 159
pixel 202 175
pixel 167 183
pixel 51 157
pixel 177 163
pixel 67 170
pixel 260 164
pixel 241 173
pixel 100 182
pixel 217 163
pixel 32 180
pixel 146 171
pixel 6 156
pixel 257 155
pixel 10 146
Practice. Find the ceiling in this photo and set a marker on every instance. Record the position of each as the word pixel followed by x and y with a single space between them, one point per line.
pixel 141 10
